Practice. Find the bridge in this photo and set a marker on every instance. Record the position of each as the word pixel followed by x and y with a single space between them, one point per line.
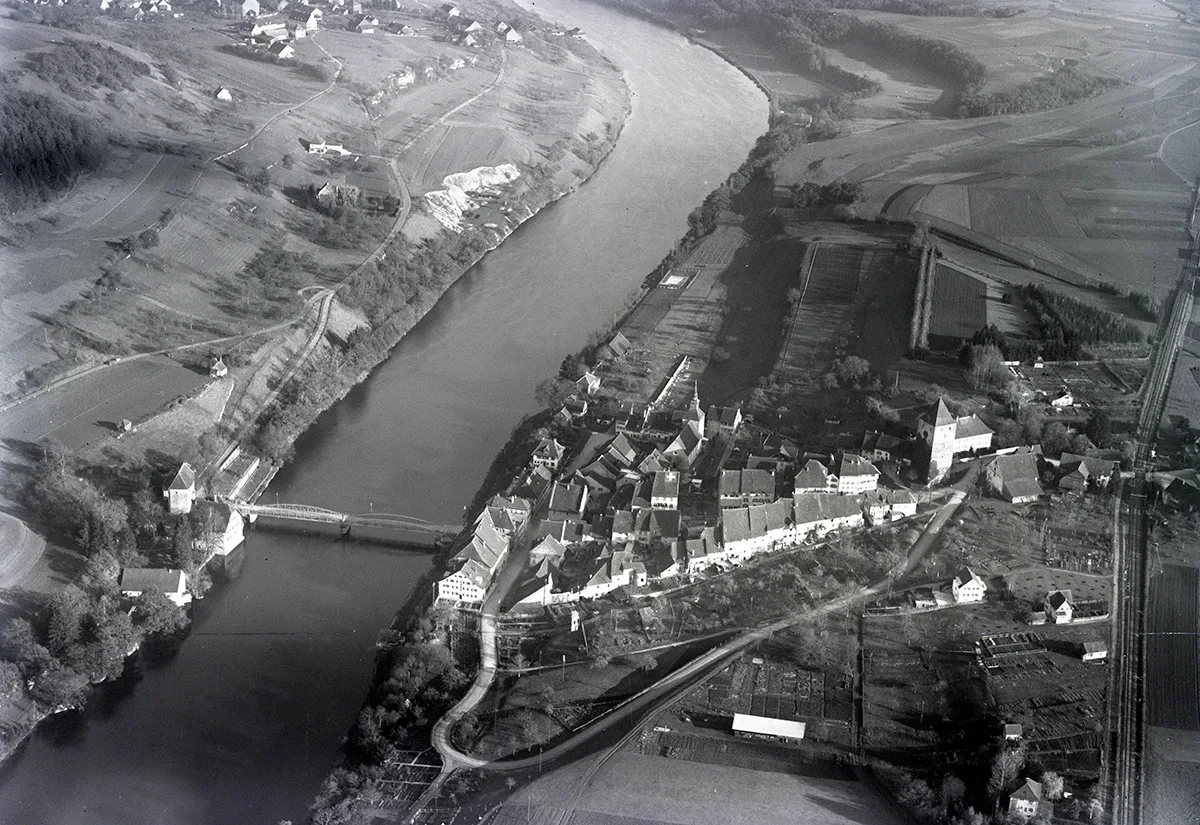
pixel 320 515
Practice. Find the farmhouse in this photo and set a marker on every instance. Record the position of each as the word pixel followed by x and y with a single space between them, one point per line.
pixel 548 453
pixel 764 727
pixel 306 16
pixel 1058 607
pixel 814 478
pixel 877 446
pixel 181 492
pixel 744 531
pixel 170 582
pixel 744 488
pixel 855 475
pixel 1012 731
pixel 512 36
pixel 967 587
pixel 1024 801
pixel 1093 651
pixel 1081 472
pixel 1014 477
pixel 282 50
pixel 449 10
pixel 568 501
pixel 664 494
pixel 947 436
pixel 588 383
pixel 1062 399
pixel 218 368
pixel 365 24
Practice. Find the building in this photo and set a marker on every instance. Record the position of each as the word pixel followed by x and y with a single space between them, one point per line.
pixel 1013 732
pixel 816 514
pixel 877 446
pixel 306 16
pixel 722 421
pixel 1093 651
pixel 882 506
pixel 967 587
pixel 365 24
pixel 512 36
pixel 683 451
pixel 764 727
pixel 1024 801
pixel 855 475
pixel 814 478
pixel 224 95
pixel 588 383
pixel 548 453
pixel 1062 399
pixel 282 50
pixel 744 531
pixel 222 528
pixel 1014 477
pixel 479 553
pixel 1058 607
pixel 664 495
pixel 170 582
pixel 745 488
pixel 449 11
pixel 1080 473
pixel 218 368
pixel 617 347
pixel 181 492
pixel 250 8
pixel 568 500
pixel 946 436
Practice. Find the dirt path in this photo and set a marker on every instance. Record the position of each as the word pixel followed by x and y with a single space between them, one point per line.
pixel 20 550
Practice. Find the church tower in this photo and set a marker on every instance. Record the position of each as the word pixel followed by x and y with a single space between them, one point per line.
pixel 937 427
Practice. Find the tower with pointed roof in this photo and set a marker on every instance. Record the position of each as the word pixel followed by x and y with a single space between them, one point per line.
pixel 937 428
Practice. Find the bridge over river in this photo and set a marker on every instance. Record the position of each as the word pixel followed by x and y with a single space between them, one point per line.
pixel 417 531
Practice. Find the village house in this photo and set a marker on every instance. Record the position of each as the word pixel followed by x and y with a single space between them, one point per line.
pixel 855 475
pixel 282 50
pixel 250 8
pixel 1012 732
pixel 512 36
pixel 1093 651
pixel 664 495
pixel 1014 477
pixel 588 383
pixel 468 26
pixel 816 514
pixel 364 24
pixel 567 531
pixel 1024 801
pixel 617 346
pixel 296 31
pixel 223 529
pixel 479 552
pixel 170 582
pixel 814 478
pixel 574 407
pixel 946 436
pixel 745 488
pixel 223 94
pixel 877 446
pixel 1080 473
pixel 548 453
pixel 449 10
pixel 882 506
pixel 744 531
pixel 181 492
pixel 685 448
pixel 967 587
pixel 722 421
pixel 777 458
pixel 1062 399
pixel 307 16
pixel 568 500
pixel 612 569
pixel 536 589
pixel 1058 607
pixel 336 195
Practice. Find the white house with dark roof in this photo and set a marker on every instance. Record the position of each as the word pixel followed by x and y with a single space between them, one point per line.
pixel 967 587
pixel 282 50
pixel 683 451
pixel 745 488
pixel 816 514
pixel 813 477
pixel 181 492
pixel 548 453
pixel 882 506
pixel 948 436
pixel 170 582
pixel 1024 801
pixel 479 553
pixel 855 475
pixel 617 346
pixel 1093 651
pixel 1058 607
pixel 664 494
pixel 744 531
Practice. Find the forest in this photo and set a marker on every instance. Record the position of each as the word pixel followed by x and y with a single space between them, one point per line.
pixel 1059 89
pixel 78 66
pixel 43 148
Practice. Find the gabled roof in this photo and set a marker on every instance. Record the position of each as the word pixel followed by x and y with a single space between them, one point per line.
pixel 812 475
pixel 666 485
pixel 855 465
pixel 185 478
pixel 567 497
pixel 141 579
pixel 964 575
pixel 620 450
pixel 1095 647
pixel 619 344
pixel 548 547
pixel 1029 790
pixel 1058 598
pixel 970 426
pixel 811 508
pixel 549 448
pixel 623 522
pixel 1022 488
pixel 666 523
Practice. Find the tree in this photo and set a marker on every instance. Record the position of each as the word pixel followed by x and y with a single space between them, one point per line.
pixel 58 686
pixel 68 608
pixel 11 682
pixel 1098 427
pixel 1055 438
pixel 155 614
pixel 600 660
pixel 1006 765
pixel 551 393
pixel 1052 785
pixel 571 368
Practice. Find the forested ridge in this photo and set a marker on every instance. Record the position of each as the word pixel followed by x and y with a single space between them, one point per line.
pixel 43 148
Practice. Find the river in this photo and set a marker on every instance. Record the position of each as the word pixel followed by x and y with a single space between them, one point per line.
pixel 242 722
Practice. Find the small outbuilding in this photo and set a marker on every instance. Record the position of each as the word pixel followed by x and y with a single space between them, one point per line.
pixel 170 582
pixel 1093 651
pixel 218 368
pixel 224 94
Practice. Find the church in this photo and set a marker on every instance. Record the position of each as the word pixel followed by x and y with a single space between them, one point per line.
pixel 947 436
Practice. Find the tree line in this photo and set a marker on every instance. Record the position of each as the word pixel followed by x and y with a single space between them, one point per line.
pixel 44 148
pixel 1064 87
pixel 78 66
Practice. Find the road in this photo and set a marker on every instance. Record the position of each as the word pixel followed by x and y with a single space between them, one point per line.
pixel 1123 765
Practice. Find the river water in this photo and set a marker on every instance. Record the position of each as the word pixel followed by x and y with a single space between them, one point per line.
pixel 241 723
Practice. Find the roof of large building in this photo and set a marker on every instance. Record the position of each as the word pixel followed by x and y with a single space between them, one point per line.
pixel 1022 488
pixel 965 575
pixel 163 579
pixel 185 478
pixel 743 523
pixel 855 465
pixel 1029 790
pixel 970 426
pixel 666 485
pixel 812 475
pixel 1014 466
pixel 766 726
pixel 749 482
pixel 567 498
pixel 810 508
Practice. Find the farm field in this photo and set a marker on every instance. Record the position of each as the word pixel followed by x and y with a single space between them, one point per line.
pixel 1173 648
pixel 634 788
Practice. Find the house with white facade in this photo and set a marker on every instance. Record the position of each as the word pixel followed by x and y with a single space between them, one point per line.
pixel 664 494
pixel 967 587
pixel 817 514
pixel 479 553
pixel 181 492
pixel 855 475
pixel 548 453
pixel 882 506
pixel 1024 801
pixel 1058 607
pixel 813 477
pixel 170 582
pixel 745 488
pixel 745 531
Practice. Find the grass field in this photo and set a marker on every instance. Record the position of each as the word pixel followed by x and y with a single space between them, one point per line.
pixel 959 303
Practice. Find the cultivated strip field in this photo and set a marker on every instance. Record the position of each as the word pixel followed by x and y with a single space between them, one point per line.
pixel 1173 645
